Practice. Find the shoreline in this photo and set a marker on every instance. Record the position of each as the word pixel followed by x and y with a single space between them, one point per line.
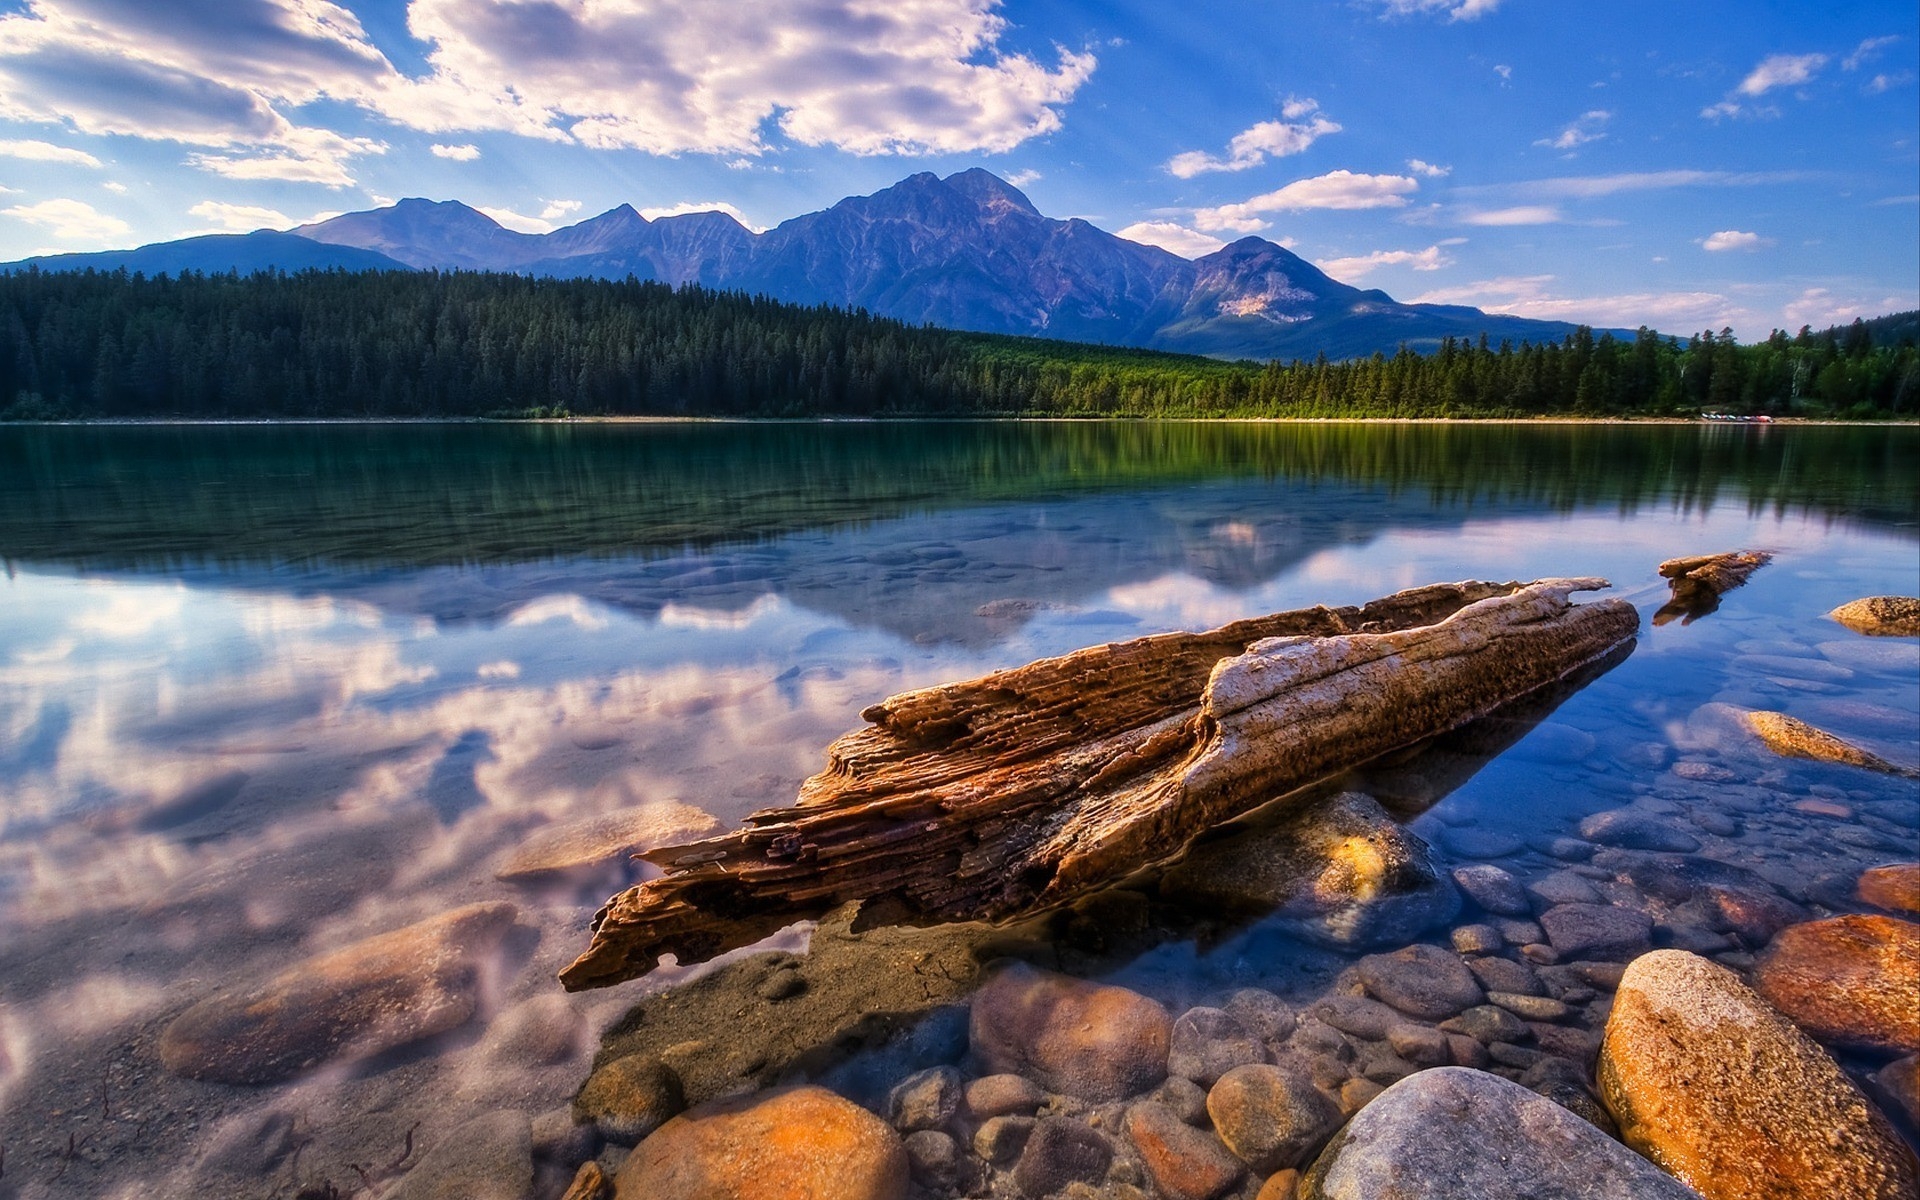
pixel 141 422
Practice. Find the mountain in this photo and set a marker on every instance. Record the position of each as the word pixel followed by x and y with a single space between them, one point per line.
pixel 219 253
pixel 966 252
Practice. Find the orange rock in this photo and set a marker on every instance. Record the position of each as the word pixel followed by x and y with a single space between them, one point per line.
pixel 1849 981
pixel 801 1143
pixel 1881 616
pixel 1070 1036
pixel 1725 1094
pixel 1185 1163
pixel 1895 887
pixel 1283 1185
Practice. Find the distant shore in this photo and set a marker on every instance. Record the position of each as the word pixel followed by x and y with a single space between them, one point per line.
pixel 1558 419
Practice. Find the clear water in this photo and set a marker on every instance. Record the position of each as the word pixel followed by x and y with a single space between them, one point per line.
pixel 265 691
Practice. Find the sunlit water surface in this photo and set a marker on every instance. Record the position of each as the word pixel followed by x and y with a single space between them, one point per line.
pixel 266 691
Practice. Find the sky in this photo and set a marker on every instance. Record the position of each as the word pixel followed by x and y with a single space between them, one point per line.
pixel 1743 164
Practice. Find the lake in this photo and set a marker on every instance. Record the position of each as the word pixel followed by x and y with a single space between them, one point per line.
pixel 267 691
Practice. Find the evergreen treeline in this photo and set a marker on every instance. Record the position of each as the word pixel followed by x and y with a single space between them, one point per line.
pixel 373 344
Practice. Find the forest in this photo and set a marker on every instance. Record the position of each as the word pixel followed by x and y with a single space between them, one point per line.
pixel 90 345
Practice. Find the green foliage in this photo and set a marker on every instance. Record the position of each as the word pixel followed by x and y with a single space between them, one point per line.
pixel 405 344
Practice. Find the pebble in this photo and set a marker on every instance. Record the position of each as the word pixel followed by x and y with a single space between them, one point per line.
pixel 1421 981
pixel 1262 1013
pixel 1081 1039
pixel 1597 931
pixel 1895 887
pixel 1356 1094
pixel 1421 1045
pixel 926 1099
pixel 802 1143
pixel 1208 1042
pixel 1269 1116
pixel 1281 1185
pixel 1184 1163
pixel 1630 830
pixel 1493 888
pixel 1470 842
pixel 1531 1008
pixel 1704 1078
pixel 1506 975
pixel 1059 1151
pixel 1702 772
pixel 1563 887
pixel 1466 1051
pixel 1568 849
pixel 1460 1134
pixel 1356 1015
pixel 1183 1098
pixel 1486 1024
pixel 1880 616
pixel 1519 933
pixel 1752 914
pixel 1000 1140
pixel 1849 981
pixel 1718 824
pixel 628 1098
pixel 1477 939
pixel 935 1161
pixel 1002 1095
pixel 1899 1082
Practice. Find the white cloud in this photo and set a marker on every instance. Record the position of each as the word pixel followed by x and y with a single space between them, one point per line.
pixel 556 209
pixel 1587 127
pixel 1456 10
pixel 1525 214
pixel 701 206
pixel 517 221
pixel 1734 239
pixel 1505 73
pixel 1421 167
pixel 115 186
pixel 1820 308
pixel 71 220
pixel 465 152
pixel 1336 190
pixel 1171 236
pixel 1021 179
pixel 33 151
pixel 241 218
pixel 1253 146
pixel 1587 187
pixel 1433 258
pixel 1781 70
pixel 1532 296
pixel 1867 51
pixel 677 76
pixel 1884 82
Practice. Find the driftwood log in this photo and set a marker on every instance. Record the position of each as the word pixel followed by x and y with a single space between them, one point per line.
pixel 1012 793
pixel 1698 582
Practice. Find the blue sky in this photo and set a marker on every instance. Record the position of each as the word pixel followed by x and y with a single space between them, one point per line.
pixel 1746 164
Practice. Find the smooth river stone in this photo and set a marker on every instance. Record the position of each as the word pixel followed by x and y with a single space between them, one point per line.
pixel 1895 887
pixel 598 842
pixel 1071 1037
pixel 1630 830
pixel 1459 1134
pixel 1881 616
pixel 1421 981
pixel 1597 931
pixel 361 1000
pixel 1849 981
pixel 1793 738
pixel 1270 1117
pixel 802 1143
pixel 1184 1163
pixel 1707 1080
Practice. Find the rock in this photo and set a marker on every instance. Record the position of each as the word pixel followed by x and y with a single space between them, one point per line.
pixel 1630 830
pixel 1421 981
pixel 1560 1081
pixel 934 1160
pixel 1698 582
pixel 1469 842
pixel 1269 1116
pixel 1183 1098
pixel 558 1138
pixel 590 1182
pixel 596 844
pixel 1355 1014
pixel 1531 1008
pixel 1487 1025
pixel 1597 931
pixel 1493 889
pixel 1568 1042
pixel 1342 873
pixel 1519 933
pixel 925 1099
pixel 628 1098
pixel 361 1000
pixel 1261 1013
pixel 1000 1140
pixel 1207 1043
pixel 1899 1082
pixel 1060 1151
pixel 1458 1134
pixel 1073 1037
pixel 1421 1045
pixel 1002 1095
pixel 1895 887
pixel 1563 887
pixel 1518 1057
pixel 1477 939
pixel 1506 975
pixel 1793 738
pixel 1281 1185
pixel 488 1158
pixel 1753 914
pixel 1356 1094
pixel 1849 981
pixel 1881 616
pixel 802 1143
pixel 1709 1082
pixel 1719 824
pixel 1184 1163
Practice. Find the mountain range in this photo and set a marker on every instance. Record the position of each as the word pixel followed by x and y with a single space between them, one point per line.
pixel 966 252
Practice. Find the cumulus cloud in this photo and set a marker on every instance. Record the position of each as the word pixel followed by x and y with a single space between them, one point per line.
pixel 70 220
pixel 1433 258
pixel 1734 239
pixel 34 151
pixel 1336 190
pixel 1172 236
pixel 1254 146
pixel 556 209
pixel 701 206
pixel 1533 296
pixel 1820 308
pixel 1021 179
pixel 519 222
pixel 465 152
pixel 1587 127
pixel 1421 167
pixel 1775 71
pixel 240 218
pixel 1455 10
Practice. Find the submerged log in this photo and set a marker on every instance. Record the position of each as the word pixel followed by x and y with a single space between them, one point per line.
pixel 1699 582
pixel 1015 792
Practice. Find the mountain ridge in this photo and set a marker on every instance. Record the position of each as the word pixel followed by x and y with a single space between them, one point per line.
pixel 968 252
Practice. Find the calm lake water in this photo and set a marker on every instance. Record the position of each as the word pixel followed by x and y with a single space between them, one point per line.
pixel 265 691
